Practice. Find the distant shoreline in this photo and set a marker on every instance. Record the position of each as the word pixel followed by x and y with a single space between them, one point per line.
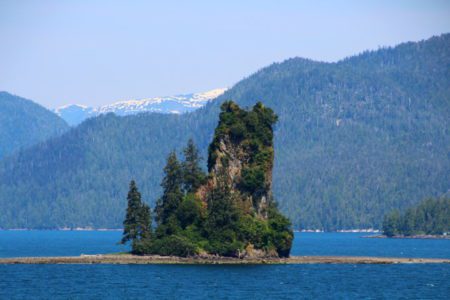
pixel 162 260
pixel 121 229
pixel 416 237
pixel 358 230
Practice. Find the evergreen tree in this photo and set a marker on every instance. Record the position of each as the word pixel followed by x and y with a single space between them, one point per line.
pixel 145 222
pixel 193 176
pixel 144 240
pixel 172 192
pixel 134 219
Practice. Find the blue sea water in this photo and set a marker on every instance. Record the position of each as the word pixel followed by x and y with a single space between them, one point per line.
pixel 218 281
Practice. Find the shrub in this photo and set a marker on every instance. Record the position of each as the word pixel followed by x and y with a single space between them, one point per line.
pixel 174 245
pixel 252 180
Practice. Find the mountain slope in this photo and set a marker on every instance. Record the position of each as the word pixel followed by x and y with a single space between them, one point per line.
pixel 75 114
pixel 24 123
pixel 354 140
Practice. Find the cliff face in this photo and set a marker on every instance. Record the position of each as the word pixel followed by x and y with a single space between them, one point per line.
pixel 241 155
pixel 238 192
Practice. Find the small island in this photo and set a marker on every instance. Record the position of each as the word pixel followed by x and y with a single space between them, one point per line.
pixel 229 212
pixel 430 219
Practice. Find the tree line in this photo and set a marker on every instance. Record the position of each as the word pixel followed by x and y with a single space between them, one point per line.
pixel 431 216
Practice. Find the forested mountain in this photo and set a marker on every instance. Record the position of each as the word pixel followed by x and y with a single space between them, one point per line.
pixel 355 139
pixel 24 123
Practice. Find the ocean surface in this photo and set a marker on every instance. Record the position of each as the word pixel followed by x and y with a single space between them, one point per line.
pixel 222 282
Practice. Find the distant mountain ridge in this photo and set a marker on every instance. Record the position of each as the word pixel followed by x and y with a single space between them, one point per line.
pixel 24 123
pixel 74 114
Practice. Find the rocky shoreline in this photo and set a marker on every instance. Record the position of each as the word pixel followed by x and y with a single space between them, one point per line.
pixel 155 259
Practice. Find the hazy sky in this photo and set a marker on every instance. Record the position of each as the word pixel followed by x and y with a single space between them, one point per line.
pixel 98 52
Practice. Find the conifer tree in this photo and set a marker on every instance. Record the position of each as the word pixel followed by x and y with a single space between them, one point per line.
pixel 172 193
pixel 193 176
pixel 138 221
pixel 132 218
pixel 145 222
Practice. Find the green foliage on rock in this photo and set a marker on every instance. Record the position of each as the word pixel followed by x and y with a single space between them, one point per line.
pixel 280 234
pixel 251 128
pixel 252 179
pixel 431 216
pixel 250 133
pixel 196 215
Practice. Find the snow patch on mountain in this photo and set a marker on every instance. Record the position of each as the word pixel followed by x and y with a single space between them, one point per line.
pixel 77 113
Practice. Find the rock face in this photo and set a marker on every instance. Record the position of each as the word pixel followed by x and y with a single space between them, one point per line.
pixel 240 163
pixel 242 155
pixel 230 212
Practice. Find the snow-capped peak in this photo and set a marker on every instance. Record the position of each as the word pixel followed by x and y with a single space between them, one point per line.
pixel 76 113
pixel 71 106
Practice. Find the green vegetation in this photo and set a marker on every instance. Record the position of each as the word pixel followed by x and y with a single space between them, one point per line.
pixel 252 130
pixel 431 216
pixel 217 221
pixel 193 176
pixel 137 223
pixel 354 139
pixel 24 123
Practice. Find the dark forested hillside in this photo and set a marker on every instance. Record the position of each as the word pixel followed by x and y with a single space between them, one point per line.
pixel 24 123
pixel 355 139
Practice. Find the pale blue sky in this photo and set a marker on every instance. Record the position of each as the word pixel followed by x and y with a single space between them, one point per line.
pixel 97 52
